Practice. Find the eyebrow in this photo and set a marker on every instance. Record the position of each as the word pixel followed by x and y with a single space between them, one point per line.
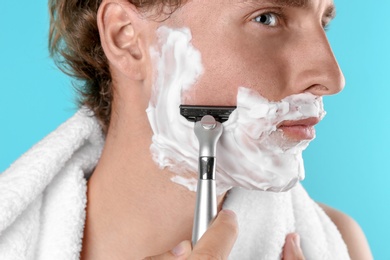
pixel 329 13
pixel 291 3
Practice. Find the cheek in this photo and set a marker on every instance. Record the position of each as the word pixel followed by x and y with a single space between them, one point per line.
pixel 211 90
pixel 229 65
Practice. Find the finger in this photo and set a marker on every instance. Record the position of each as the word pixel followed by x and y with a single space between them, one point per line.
pixel 292 248
pixel 219 239
pixel 180 252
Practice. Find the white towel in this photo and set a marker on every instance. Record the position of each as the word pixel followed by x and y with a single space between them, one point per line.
pixel 43 194
pixel 43 200
pixel 265 218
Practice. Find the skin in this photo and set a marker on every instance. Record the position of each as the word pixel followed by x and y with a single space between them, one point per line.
pixel 273 60
pixel 134 209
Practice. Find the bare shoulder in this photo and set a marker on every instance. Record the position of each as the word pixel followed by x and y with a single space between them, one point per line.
pixel 351 232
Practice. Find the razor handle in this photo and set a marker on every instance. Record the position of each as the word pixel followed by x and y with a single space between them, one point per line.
pixel 208 131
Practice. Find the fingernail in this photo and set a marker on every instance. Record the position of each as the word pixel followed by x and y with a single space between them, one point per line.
pixel 297 241
pixel 179 249
pixel 228 212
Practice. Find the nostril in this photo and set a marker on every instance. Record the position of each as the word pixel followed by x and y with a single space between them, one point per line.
pixel 318 89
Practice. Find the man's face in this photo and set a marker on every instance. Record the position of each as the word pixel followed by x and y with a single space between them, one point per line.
pixel 276 47
pixel 273 49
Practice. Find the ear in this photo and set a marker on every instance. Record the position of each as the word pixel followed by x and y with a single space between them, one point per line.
pixel 119 28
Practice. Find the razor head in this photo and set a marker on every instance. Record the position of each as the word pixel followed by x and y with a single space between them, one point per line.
pixel 195 113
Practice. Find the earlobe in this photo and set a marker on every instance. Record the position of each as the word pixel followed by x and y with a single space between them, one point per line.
pixel 120 38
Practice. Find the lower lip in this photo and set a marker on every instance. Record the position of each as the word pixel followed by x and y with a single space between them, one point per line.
pixel 299 132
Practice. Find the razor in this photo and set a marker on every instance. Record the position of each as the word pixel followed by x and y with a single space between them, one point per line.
pixel 208 129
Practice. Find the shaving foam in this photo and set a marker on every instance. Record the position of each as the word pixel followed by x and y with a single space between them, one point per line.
pixel 251 153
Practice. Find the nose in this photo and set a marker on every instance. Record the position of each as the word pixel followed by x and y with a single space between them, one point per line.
pixel 314 67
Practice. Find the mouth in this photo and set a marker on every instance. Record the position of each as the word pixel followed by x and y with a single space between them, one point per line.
pixel 299 129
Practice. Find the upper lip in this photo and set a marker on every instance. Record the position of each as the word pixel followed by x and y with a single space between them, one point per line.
pixel 311 121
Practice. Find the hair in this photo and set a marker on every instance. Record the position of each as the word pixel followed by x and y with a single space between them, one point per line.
pixel 74 45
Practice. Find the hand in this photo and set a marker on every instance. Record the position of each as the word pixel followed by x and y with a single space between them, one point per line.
pixel 219 239
pixel 216 243
pixel 292 248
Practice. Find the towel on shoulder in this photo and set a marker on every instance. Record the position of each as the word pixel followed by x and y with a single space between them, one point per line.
pixel 43 199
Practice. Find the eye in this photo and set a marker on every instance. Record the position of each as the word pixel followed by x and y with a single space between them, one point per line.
pixel 268 19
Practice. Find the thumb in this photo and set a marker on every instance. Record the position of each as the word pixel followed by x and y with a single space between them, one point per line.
pixel 219 239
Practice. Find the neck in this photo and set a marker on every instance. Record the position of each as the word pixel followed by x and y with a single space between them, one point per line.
pixel 134 209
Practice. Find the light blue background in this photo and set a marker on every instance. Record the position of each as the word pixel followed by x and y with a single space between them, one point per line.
pixel 346 166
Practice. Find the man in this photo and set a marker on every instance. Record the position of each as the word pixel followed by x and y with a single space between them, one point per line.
pixel 277 48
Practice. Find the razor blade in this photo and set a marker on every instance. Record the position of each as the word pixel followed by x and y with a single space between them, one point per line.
pixel 195 113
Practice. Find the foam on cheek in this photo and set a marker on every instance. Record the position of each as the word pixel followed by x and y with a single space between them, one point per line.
pixel 251 153
pixel 178 65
